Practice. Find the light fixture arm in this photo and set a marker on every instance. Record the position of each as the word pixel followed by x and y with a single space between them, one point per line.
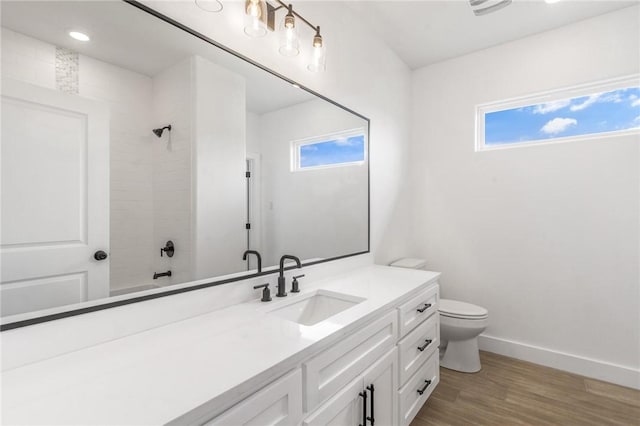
pixel 283 5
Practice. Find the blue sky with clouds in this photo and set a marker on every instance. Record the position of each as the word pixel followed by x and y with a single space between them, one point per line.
pixel 602 112
pixel 346 150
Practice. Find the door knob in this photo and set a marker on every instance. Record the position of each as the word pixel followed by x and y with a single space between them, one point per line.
pixel 100 255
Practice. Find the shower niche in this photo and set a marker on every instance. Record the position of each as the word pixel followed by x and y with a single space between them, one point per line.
pixel 151 137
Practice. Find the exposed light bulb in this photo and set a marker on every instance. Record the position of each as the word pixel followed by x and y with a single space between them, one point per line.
pixel 79 36
pixel 289 44
pixel 254 27
pixel 318 56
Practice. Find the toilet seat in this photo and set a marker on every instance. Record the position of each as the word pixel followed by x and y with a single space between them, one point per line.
pixel 462 310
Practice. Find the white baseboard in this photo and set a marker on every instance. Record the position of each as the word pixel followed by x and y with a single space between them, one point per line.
pixel 618 374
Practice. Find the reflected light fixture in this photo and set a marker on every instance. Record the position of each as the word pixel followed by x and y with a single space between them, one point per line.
pixel 318 56
pixel 77 35
pixel 289 44
pixel 254 20
pixel 210 5
pixel 260 17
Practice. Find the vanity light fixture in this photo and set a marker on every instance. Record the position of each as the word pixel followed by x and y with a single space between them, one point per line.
pixel 260 16
pixel 77 35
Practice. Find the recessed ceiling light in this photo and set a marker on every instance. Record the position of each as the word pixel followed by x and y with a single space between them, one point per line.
pixel 551 1
pixel 79 36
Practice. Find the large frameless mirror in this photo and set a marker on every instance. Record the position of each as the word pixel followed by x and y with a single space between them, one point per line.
pixel 137 156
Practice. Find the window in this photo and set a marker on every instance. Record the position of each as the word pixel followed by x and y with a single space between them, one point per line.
pixel 606 108
pixel 335 150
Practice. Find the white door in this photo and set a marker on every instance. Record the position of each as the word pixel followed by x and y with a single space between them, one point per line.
pixel 55 198
pixel 381 383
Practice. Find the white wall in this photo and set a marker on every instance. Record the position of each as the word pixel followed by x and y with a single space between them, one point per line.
pixel 362 74
pixel 131 233
pixel 219 123
pixel 315 213
pixel 545 237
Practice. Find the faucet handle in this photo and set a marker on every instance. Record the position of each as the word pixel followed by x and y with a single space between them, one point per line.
pixel 295 287
pixel 266 293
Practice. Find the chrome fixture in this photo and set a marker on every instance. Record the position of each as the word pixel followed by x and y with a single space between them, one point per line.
pixel 248 252
pixel 260 17
pixel 484 7
pixel 158 132
pixel 281 280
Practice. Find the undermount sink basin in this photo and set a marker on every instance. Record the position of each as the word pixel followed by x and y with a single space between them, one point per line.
pixel 317 307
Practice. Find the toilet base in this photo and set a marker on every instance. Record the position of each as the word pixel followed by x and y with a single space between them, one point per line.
pixel 462 355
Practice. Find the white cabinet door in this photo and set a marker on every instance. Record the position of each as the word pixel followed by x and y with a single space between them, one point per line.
pixel 279 403
pixel 332 369
pixel 343 409
pixel 381 382
pixel 55 198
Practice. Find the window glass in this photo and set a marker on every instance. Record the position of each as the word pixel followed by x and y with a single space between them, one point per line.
pixel 612 111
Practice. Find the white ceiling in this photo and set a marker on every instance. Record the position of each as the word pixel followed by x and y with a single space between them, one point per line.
pixel 125 36
pixel 423 32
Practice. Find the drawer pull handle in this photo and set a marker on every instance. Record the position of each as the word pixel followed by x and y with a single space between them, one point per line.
pixel 371 419
pixel 426 343
pixel 424 308
pixel 421 391
pixel 363 395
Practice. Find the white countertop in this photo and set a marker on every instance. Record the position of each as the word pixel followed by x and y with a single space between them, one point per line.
pixel 202 364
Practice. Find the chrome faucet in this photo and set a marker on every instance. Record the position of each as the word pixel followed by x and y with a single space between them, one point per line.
pixel 281 280
pixel 244 257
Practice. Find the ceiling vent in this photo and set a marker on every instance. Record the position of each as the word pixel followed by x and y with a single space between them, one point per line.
pixel 484 7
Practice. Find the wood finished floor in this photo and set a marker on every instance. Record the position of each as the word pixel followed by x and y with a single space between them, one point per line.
pixel 511 392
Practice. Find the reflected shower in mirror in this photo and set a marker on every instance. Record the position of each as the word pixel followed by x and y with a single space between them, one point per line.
pixel 140 156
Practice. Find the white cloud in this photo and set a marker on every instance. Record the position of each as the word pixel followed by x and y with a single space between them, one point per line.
pixel 586 103
pixel 558 125
pixel 551 106
pixel 635 103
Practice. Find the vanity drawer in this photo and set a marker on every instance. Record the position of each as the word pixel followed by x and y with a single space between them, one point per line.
pixel 410 398
pixel 328 372
pixel 417 346
pixel 417 310
pixel 279 403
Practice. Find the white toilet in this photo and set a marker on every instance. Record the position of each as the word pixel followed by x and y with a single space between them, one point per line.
pixel 460 325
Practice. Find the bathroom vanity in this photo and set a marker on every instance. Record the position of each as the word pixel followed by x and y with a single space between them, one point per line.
pixel 361 345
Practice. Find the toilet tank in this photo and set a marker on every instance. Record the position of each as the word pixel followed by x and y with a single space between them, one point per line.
pixel 410 263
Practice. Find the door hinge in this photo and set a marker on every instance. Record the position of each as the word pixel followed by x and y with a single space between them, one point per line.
pixel 247 174
pixel 247 226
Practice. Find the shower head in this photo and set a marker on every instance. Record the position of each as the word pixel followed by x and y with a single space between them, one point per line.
pixel 158 132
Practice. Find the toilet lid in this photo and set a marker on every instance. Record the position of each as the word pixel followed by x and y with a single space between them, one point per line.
pixel 455 308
